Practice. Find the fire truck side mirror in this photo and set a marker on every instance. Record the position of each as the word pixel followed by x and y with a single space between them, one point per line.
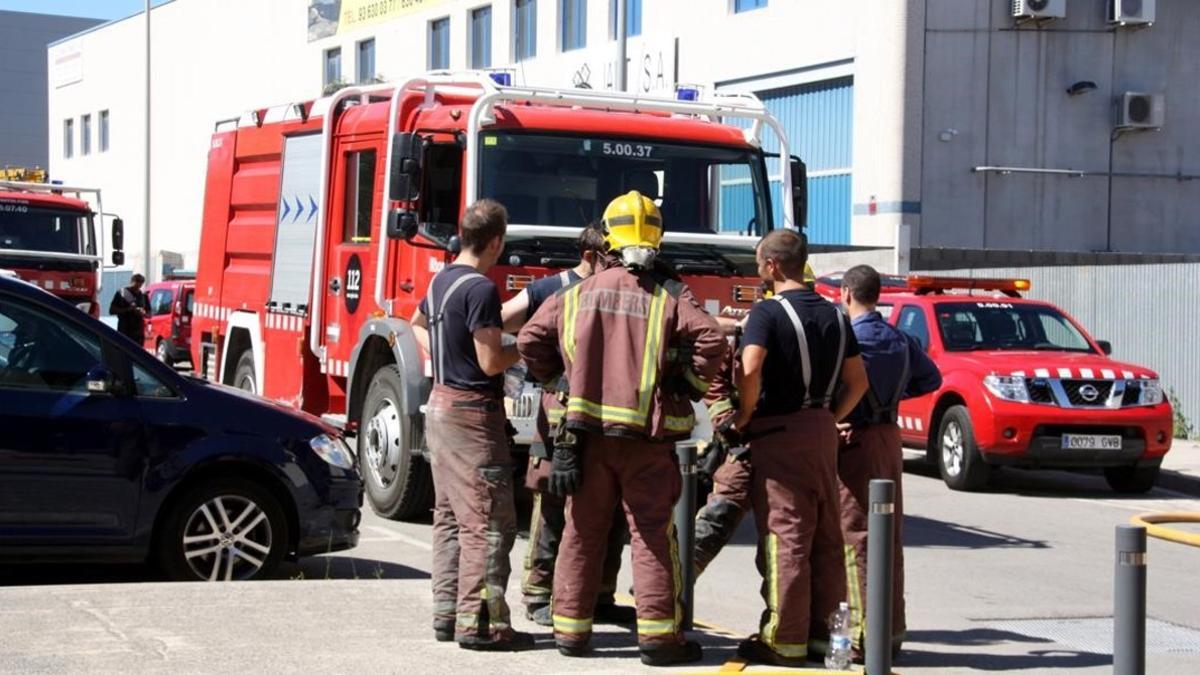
pixel 118 258
pixel 406 167
pixel 118 234
pixel 401 224
pixel 799 192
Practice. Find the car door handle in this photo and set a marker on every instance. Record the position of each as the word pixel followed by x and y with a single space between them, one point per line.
pixel 335 285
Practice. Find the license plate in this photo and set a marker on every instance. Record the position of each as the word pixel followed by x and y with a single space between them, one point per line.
pixel 1090 442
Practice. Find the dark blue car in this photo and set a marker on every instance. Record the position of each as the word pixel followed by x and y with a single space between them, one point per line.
pixel 107 454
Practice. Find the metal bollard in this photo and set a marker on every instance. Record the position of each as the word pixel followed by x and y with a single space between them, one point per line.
pixel 881 527
pixel 685 528
pixel 1129 602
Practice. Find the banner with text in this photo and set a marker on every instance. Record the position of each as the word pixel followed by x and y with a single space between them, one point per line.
pixel 327 18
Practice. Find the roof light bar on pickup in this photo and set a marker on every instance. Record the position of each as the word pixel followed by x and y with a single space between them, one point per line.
pixel 921 284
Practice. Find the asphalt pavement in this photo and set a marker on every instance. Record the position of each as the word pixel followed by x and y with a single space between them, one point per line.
pixel 1016 578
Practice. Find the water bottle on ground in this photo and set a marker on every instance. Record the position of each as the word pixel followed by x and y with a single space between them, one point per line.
pixel 838 656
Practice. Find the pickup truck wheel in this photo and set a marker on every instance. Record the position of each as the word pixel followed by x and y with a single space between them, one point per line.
pixel 1131 480
pixel 243 376
pixel 959 461
pixel 398 483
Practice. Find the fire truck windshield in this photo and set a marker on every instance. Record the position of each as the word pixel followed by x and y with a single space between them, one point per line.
pixel 24 227
pixel 568 180
pixel 998 325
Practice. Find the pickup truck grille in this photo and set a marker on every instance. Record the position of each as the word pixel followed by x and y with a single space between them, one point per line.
pixel 1088 393
pixel 1072 393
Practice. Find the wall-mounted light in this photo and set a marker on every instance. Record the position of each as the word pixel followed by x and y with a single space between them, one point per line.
pixel 1081 87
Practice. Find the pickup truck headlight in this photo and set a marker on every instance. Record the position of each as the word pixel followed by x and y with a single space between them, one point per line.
pixel 333 450
pixel 1152 393
pixel 1007 387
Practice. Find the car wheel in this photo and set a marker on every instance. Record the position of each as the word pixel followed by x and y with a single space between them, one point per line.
pixel 1131 479
pixel 229 529
pixel 959 461
pixel 160 351
pixel 243 375
pixel 398 483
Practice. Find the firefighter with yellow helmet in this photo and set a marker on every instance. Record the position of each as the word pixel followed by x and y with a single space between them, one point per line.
pixel 611 338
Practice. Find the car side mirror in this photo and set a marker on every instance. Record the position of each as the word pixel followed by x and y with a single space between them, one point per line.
pixel 100 380
pixel 1105 346
pixel 799 192
pixel 118 235
pixel 406 167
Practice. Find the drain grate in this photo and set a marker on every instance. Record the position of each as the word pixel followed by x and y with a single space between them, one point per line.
pixel 1094 634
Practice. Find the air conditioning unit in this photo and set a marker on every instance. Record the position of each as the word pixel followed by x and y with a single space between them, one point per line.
pixel 1141 111
pixel 1039 9
pixel 1131 12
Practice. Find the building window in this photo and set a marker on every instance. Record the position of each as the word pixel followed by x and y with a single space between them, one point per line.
pixel 481 37
pixel 366 60
pixel 633 18
pixel 524 29
pixel 85 135
pixel 360 196
pixel 103 131
pixel 68 138
pixel 747 5
pixel 573 14
pixel 439 44
pixel 333 66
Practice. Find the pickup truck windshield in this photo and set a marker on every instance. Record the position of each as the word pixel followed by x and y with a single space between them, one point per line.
pixel 568 180
pixel 998 325
pixel 32 228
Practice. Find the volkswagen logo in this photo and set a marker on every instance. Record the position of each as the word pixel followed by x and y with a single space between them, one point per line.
pixel 1089 393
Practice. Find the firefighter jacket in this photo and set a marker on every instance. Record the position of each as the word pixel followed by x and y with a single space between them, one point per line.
pixel 634 348
pixel 720 399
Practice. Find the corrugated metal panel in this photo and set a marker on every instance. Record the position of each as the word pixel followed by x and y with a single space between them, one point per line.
pixel 829 209
pixel 1149 313
pixel 736 200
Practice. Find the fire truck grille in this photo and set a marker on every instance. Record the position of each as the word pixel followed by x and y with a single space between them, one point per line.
pixel 1088 392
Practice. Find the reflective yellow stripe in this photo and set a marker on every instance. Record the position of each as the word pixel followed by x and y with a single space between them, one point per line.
pixel 673 423
pixel 655 626
pixel 719 406
pixel 466 621
pixel 790 650
pixel 854 598
pixel 570 311
pixel 650 357
pixel 676 572
pixel 565 624
pixel 605 413
pixel 768 632
pixel 535 531
pixel 555 415
pixel 694 380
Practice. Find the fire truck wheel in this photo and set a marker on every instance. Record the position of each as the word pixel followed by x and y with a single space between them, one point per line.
pixel 959 461
pixel 160 351
pixel 243 375
pixel 228 529
pixel 1131 479
pixel 399 485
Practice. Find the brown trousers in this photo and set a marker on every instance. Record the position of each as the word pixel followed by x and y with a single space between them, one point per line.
pixel 722 513
pixel 474 520
pixel 546 525
pixel 873 452
pixel 644 478
pixel 800 552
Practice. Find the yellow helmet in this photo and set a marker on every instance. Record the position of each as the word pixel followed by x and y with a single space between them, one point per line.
pixel 632 220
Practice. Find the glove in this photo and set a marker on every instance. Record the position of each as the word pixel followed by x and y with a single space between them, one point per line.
pixel 566 471
pixel 713 457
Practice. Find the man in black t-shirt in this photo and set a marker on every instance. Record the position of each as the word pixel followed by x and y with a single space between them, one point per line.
pixel 474 519
pixel 797 347
pixel 130 307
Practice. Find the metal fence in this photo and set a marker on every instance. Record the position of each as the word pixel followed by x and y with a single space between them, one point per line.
pixel 1150 313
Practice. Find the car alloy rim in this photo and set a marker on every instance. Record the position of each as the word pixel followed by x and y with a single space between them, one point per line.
pixel 952 448
pixel 228 538
pixel 247 384
pixel 162 351
pixel 383 443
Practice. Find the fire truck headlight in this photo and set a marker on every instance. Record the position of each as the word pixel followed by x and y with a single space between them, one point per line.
pixel 1152 393
pixel 1007 387
pixel 333 450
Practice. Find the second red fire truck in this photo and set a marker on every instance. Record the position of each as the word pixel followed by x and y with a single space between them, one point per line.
pixel 325 220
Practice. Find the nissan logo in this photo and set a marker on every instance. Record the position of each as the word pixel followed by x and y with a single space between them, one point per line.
pixel 1089 393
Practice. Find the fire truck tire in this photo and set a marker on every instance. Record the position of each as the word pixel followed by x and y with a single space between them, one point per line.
pixel 959 461
pixel 398 483
pixel 1131 479
pixel 196 544
pixel 243 374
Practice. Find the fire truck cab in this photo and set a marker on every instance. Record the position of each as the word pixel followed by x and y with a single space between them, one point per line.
pixel 324 222
pixel 48 238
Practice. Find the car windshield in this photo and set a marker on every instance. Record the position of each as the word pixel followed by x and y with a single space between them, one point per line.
pixel 999 325
pixel 32 228
pixel 564 180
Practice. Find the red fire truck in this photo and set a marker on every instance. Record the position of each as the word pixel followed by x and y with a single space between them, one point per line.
pixel 325 220
pixel 48 238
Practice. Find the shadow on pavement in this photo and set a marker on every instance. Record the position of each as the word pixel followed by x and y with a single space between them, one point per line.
pixel 930 533
pixel 1045 656
pixel 346 567
pixel 313 568
pixel 1083 483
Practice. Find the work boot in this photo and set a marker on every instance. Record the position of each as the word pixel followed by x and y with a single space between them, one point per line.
pixel 515 642
pixel 540 614
pixel 612 613
pixel 669 655
pixel 443 630
pixel 755 650
pixel 574 650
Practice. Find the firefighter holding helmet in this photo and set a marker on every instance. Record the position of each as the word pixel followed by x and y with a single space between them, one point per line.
pixel 633 348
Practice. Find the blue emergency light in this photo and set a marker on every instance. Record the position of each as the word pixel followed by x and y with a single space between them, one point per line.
pixel 502 79
pixel 687 94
